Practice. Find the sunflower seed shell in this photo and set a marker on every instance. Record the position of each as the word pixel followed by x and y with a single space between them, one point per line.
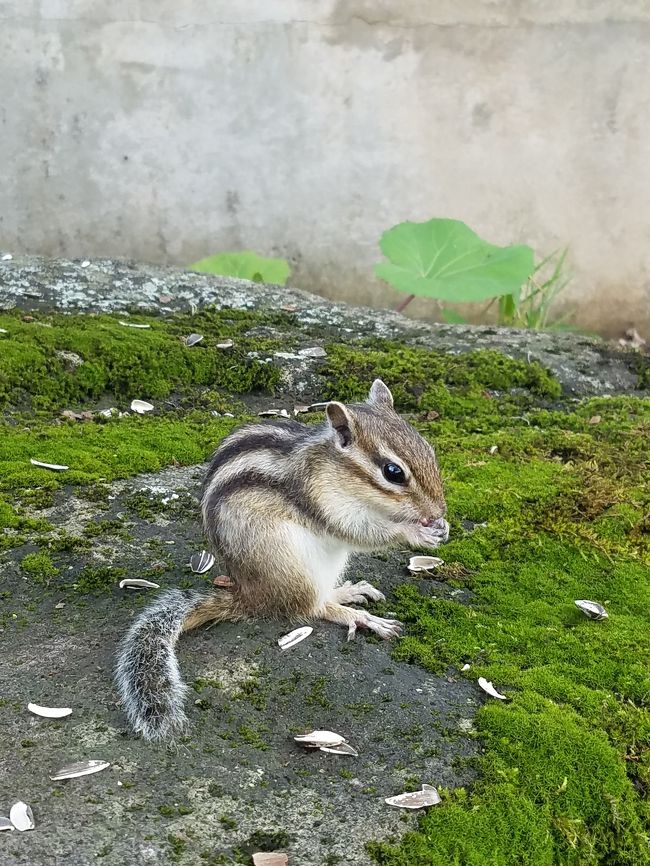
pixel 193 339
pixel 489 689
pixel 428 796
pixel 80 768
pixel 141 406
pixel 22 817
pixel 49 712
pixel 592 609
pixel 201 562
pixel 317 739
pixel 342 749
pixel 270 858
pixel 138 583
pixel 294 637
pixel 424 564
pixel 56 467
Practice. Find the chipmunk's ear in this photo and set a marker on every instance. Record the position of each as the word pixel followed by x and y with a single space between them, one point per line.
pixel 341 422
pixel 380 395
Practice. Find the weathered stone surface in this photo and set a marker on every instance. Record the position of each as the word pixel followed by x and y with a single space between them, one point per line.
pixel 582 364
pixel 238 772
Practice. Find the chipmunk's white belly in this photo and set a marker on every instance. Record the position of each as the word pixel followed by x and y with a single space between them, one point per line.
pixel 325 559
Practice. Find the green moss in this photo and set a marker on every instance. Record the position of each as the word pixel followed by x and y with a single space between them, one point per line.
pixel 126 362
pixel 105 451
pixel 228 822
pixel 39 567
pixel 202 683
pixel 268 840
pixel 566 504
pixel 424 380
pixel 115 528
pixel 317 696
pixel 254 736
pixel 177 845
pixel 96 579
pixel 15 526
pixel 253 692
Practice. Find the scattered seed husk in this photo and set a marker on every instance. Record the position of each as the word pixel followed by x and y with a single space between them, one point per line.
pixel 223 581
pixel 49 712
pixel 317 739
pixel 270 858
pixel 138 583
pixel 294 637
pixel 3 331
pixel 134 325
pixel 85 263
pixel 22 817
pixel 592 609
pixel 7 257
pixel 490 690
pixel 225 344
pixel 428 796
pixel 270 413
pixel 80 768
pixel 5 823
pixel 595 419
pixel 201 562
pixel 342 749
pixel 141 406
pixel 419 564
pixel 108 413
pixel 56 467
pixel 59 606
pixel 317 407
pixel 300 410
pixel 193 339
pixel 465 667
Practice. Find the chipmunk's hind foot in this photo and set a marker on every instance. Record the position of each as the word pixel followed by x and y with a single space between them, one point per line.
pixel 357 593
pixel 354 619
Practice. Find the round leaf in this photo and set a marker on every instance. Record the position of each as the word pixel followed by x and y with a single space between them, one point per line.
pixel 445 259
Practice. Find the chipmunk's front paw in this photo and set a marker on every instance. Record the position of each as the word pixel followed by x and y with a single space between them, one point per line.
pixel 434 533
pixel 357 593
pixel 385 628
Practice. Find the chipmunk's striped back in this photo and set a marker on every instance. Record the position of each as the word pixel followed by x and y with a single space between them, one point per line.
pixel 270 464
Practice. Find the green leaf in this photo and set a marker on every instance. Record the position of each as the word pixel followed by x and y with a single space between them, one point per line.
pixel 451 317
pixel 445 259
pixel 247 265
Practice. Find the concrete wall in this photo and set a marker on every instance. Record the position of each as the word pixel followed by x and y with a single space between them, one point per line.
pixel 167 129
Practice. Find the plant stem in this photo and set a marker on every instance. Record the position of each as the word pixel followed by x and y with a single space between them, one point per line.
pixel 401 307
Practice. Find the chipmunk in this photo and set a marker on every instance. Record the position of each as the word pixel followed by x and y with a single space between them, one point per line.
pixel 284 504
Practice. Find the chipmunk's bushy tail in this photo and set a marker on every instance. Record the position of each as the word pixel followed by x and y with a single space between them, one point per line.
pixel 147 674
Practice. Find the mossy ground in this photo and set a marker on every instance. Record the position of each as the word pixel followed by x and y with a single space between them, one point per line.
pixel 564 777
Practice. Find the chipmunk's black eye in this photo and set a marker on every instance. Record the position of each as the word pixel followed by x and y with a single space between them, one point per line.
pixel 394 473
